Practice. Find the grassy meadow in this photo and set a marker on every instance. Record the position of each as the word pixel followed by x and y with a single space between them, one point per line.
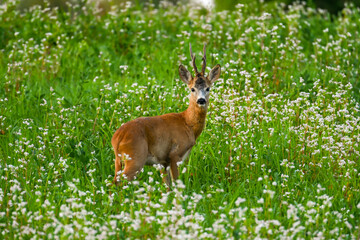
pixel 278 158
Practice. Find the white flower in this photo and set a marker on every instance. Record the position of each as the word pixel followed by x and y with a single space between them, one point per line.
pixel 239 200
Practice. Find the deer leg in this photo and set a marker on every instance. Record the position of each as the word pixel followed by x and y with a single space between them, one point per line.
pixel 174 167
pixel 166 176
pixel 118 168
pixel 132 167
pixel 133 153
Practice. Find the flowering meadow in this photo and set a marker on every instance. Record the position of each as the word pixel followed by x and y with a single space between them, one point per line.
pixel 278 158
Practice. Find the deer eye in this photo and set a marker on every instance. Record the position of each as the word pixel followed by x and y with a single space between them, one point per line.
pixel 193 89
pixel 208 89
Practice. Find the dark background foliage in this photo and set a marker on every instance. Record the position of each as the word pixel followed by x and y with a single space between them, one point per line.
pixel 332 6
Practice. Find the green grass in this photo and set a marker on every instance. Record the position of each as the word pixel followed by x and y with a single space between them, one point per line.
pixel 279 156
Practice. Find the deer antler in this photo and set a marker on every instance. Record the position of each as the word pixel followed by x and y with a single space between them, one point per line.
pixel 193 60
pixel 204 61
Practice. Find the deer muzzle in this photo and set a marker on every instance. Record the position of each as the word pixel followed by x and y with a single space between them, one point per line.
pixel 201 101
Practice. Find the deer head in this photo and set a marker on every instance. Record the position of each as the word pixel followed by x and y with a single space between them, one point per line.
pixel 199 84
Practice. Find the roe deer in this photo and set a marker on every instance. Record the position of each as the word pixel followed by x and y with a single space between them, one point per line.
pixel 166 139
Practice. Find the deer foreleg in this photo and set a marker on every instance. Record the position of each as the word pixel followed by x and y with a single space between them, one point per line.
pixel 174 167
pixel 165 172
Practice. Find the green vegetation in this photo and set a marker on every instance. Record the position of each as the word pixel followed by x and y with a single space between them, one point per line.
pixel 279 156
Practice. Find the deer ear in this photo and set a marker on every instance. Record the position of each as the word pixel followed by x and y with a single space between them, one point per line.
pixel 214 74
pixel 185 75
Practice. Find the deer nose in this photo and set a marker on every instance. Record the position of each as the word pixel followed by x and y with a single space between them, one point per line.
pixel 201 101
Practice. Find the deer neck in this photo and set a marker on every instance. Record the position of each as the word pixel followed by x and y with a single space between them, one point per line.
pixel 195 117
